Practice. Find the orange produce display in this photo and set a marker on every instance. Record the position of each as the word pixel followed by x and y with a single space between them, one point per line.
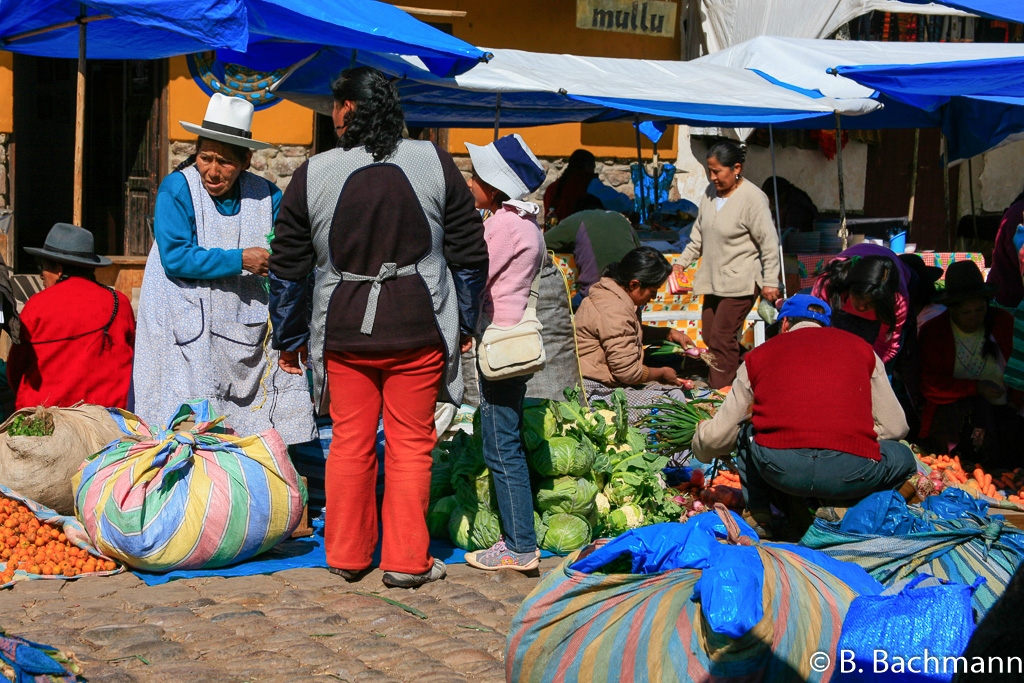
pixel 1006 486
pixel 36 547
pixel 700 494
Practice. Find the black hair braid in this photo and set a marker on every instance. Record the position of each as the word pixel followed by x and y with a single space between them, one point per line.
pixel 377 121
pixel 646 265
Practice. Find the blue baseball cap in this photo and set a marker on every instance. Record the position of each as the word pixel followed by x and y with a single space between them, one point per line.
pixel 798 306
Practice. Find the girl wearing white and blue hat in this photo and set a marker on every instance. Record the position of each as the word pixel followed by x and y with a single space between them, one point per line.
pixel 504 172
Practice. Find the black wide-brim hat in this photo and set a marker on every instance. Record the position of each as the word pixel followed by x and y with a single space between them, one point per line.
pixel 928 275
pixel 965 281
pixel 66 243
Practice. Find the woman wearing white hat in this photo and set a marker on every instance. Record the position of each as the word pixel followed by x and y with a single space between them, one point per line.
pixel 203 330
pixel 504 172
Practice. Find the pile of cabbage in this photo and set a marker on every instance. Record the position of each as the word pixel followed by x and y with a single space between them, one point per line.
pixel 591 475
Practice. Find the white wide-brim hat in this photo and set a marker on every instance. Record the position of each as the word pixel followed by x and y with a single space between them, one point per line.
pixel 508 165
pixel 229 120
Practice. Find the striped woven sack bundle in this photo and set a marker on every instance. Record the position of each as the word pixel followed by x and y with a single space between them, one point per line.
pixel 958 550
pixel 644 627
pixel 160 500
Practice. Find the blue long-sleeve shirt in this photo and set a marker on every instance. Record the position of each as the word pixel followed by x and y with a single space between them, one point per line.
pixel 174 228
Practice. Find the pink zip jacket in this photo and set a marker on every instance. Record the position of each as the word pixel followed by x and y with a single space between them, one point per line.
pixel 887 345
pixel 515 250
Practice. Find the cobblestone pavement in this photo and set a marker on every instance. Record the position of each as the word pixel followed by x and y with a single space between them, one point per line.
pixel 290 627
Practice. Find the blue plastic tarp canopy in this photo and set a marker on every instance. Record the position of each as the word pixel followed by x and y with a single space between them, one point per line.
pixel 257 33
pixel 540 89
pixel 972 121
pixel 1007 10
pixel 136 29
pixel 932 85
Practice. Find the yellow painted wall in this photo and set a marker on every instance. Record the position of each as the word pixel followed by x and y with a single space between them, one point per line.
pixel 541 26
pixel 6 92
pixel 550 26
pixel 603 139
pixel 285 123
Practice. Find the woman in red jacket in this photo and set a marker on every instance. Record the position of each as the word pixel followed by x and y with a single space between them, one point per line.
pixel 77 336
pixel 963 359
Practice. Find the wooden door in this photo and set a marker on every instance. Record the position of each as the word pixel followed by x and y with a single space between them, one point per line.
pixel 146 149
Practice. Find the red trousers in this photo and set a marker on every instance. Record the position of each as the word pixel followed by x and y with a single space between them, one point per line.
pixel 405 384
pixel 721 322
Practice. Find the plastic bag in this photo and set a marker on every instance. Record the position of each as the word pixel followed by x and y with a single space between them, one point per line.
pixel 955 503
pixel 732 574
pixel 883 514
pixel 926 623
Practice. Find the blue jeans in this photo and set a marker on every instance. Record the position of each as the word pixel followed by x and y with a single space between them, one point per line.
pixel 501 421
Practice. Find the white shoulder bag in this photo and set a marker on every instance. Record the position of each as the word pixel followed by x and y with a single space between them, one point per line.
pixel 516 350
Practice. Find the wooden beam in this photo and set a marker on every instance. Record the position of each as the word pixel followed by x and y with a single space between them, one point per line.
pixel 79 126
pixel 423 12
pixel 53 27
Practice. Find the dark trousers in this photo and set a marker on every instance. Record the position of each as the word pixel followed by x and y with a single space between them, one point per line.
pixel 817 472
pixel 999 429
pixel 721 320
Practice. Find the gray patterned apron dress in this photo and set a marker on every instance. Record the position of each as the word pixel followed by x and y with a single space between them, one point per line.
pixel 209 339
pixel 326 179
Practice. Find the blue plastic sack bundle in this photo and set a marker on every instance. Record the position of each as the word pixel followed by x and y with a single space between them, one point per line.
pixel 683 602
pixel 949 537
pixel 912 633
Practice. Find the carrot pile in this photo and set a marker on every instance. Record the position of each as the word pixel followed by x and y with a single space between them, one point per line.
pixel 39 548
pixel 948 471
pixel 700 495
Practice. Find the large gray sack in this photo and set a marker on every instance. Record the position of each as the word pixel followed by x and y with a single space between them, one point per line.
pixel 41 467
pixel 562 370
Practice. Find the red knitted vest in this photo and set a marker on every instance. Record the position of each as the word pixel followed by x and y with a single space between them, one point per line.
pixel 812 389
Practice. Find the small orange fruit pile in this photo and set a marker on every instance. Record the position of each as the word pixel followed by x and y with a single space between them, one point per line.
pixel 39 548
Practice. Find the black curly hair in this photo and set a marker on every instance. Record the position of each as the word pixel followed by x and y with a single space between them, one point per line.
pixel 872 277
pixel 377 120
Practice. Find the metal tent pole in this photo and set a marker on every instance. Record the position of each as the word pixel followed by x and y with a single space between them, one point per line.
pixel 497 118
pixel 640 166
pixel 970 186
pixel 843 232
pixel 913 183
pixel 778 214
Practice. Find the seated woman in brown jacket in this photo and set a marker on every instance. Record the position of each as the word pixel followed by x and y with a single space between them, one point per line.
pixel 610 333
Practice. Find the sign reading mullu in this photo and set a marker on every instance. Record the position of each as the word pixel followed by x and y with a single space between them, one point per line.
pixel 645 17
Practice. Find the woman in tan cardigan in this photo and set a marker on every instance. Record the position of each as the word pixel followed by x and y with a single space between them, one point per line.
pixel 611 334
pixel 735 236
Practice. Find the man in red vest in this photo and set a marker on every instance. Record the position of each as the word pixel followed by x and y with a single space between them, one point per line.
pixel 823 417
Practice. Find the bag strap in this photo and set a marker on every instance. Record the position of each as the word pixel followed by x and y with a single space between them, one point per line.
pixel 531 305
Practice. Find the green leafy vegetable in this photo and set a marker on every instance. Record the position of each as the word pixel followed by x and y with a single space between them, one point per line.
pixel 27 425
pixel 438 516
pixel 566 533
pixel 473 529
pixel 560 456
pixel 571 495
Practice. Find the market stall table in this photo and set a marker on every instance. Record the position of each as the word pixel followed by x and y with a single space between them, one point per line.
pixel 810 266
pixel 682 311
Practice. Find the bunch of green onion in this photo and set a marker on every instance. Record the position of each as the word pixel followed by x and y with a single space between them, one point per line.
pixel 673 422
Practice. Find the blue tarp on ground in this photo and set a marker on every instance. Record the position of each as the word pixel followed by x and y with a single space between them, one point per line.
pixel 264 30
pixel 297 553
